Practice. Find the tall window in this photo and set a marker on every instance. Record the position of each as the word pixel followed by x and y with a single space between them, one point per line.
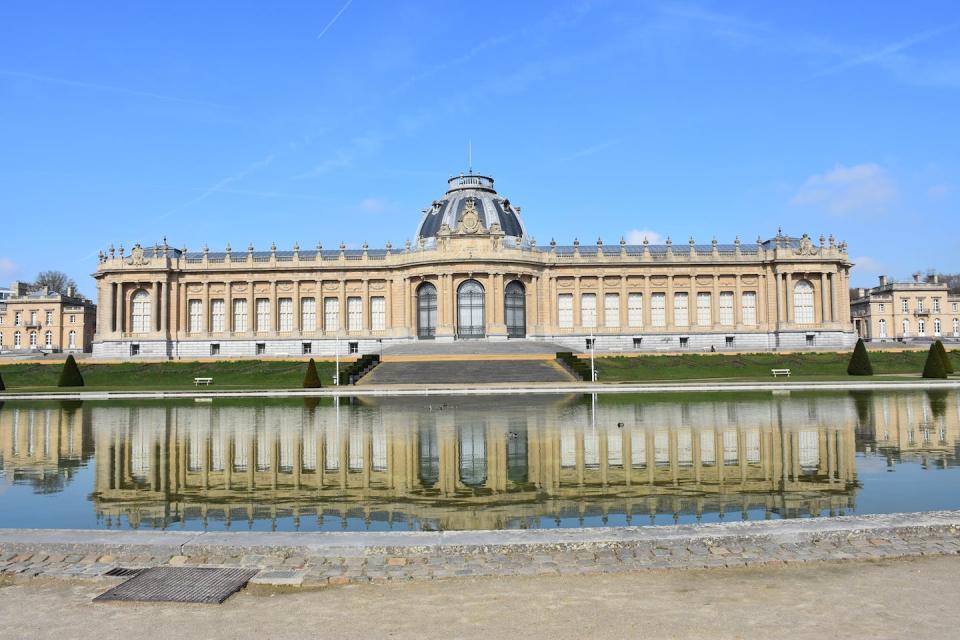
pixel 882 307
pixel 263 314
pixel 956 327
pixel 904 305
pixel 882 328
pixel 905 327
pixel 658 309
pixel 141 312
pixel 1 340
pixel 195 308
pixel 611 310
pixel 588 310
pixel 33 317
pixel 378 313
pixel 681 309
pixel 18 318
pixel 72 339
pixel 749 307
pixel 565 310
pixel 217 315
pixel 803 302
pixel 921 327
pixel 354 314
pixel 48 339
pixel 50 314
pixel 936 306
pixel 936 326
pixel 635 309
pixel 331 314
pixel 308 314
pixel 33 339
pixel 726 308
pixel 16 339
pixel 239 315
pixel 704 310
pixel 285 307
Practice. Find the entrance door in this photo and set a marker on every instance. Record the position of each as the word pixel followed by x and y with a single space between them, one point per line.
pixel 426 311
pixel 515 310
pixel 470 321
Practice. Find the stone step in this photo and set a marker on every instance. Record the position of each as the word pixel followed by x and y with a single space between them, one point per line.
pixel 466 372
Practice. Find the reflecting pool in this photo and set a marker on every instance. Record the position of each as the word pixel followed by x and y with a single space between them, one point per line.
pixel 469 462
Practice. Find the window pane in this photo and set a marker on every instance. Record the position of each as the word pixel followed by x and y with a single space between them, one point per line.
pixel 239 315
pixel 565 310
pixel 611 310
pixel 658 315
pixel 635 310
pixel 681 311
pixel 308 311
pixel 378 313
pixel 704 310
pixel 749 308
pixel 354 314
pixel 726 308
pixel 588 310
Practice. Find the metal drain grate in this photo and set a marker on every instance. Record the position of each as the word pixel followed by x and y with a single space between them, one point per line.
pixel 180 584
pixel 122 572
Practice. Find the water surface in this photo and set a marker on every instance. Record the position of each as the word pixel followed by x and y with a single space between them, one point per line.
pixel 475 462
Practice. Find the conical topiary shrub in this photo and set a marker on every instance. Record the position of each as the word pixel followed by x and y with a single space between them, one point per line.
pixel 311 380
pixel 70 376
pixel 947 365
pixel 860 361
pixel 934 366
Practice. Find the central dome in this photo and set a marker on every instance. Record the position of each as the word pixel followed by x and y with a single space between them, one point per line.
pixel 491 208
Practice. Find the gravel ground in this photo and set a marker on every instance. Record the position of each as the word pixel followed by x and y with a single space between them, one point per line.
pixel 876 599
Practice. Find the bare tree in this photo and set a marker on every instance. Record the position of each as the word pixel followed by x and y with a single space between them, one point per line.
pixel 56 281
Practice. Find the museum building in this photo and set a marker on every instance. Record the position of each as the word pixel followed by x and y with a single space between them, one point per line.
pixel 473 272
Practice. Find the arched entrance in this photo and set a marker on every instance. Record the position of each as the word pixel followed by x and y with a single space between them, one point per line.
pixel 470 323
pixel 515 309
pixel 426 311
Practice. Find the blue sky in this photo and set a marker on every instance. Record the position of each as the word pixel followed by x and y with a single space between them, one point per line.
pixel 339 121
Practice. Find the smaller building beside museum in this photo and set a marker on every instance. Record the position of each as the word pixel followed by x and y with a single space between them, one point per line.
pixel 921 309
pixel 46 321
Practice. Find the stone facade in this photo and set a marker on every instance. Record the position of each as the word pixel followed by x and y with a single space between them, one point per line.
pixel 473 272
pixel 46 321
pixel 919 310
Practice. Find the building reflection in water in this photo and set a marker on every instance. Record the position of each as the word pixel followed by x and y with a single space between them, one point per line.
pixel 474 462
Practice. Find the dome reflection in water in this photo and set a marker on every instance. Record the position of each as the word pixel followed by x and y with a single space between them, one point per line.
pixel 475 462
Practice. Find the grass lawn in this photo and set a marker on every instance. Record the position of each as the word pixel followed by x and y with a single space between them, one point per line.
pixel 238 374
pixel 757 366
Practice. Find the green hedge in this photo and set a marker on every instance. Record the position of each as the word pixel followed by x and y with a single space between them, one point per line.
pixel 578 366
pixel 358 368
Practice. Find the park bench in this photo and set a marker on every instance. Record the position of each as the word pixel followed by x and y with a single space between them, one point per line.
pixel 780 372
pixel 202 381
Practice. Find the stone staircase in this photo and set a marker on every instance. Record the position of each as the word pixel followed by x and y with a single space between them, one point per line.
pixel 453 370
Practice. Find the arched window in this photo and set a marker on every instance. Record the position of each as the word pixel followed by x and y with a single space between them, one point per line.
pixel 72 339
pixel 905 328
pixel 515 309
pixel 33 339
pixel 16 340
pixel 956 327
pixel 936 327
pixel 426 311
pixel 883 328
pixel 141 312
pixel 803 302
pixel 48 339
pixel 470 321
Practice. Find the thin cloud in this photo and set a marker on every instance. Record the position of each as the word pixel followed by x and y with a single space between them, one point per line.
pixel 862 188
pixel 334 19
pixel 884 53
pixel 105 87
pixel 637 236
pixel 8 268
pixel 220 185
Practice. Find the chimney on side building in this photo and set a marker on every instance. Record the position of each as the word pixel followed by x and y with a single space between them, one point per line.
pixel 883 281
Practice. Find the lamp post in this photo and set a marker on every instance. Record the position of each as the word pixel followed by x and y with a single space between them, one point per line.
pixel 336 379
pixel 593 369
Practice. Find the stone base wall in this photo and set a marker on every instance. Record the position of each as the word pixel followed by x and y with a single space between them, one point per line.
pixel 326 347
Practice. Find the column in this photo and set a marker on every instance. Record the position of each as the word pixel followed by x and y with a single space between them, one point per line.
pixel 668 305
pixel 833 297
pixel 251 307
pixel 118 300
pixel 577 318
pixel 715 302
pixel 342 315
pixel 110 321
pixel 737 301
pixel 205 327
pixel 155 307
pixel 624 297
pixel 296 310
pixel 164 309
pixel 823 298
pixel 228 307
pixel 365 302
pixel 788 294
pixel 647 316
pixel 779 287
pixel 274 308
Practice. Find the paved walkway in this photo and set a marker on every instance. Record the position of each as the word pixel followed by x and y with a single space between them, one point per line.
pixel 879 599
pixel 330 559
